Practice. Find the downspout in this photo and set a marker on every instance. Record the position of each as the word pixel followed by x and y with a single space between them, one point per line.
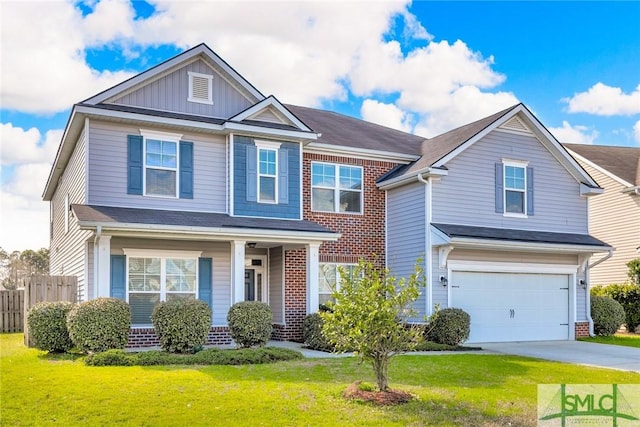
pixel 588 291
pixel 96 258
pixel 427 245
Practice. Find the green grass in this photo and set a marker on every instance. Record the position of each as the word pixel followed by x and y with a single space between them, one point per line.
pixel 627 340
pixel 433 346
pixel 456 389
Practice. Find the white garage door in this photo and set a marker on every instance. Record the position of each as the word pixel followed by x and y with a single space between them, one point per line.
pixel 512 306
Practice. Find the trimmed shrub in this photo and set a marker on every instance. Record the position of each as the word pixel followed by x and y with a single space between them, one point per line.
pixel 449 326
pixel 627 295
pixel 115 357
pixel 47 323
pixel 607 315
pixel 182 325
pixel 250 323
pixel 312 333
pixel 99 324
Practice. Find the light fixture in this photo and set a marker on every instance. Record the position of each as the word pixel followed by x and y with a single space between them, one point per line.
pixel 444 281
pixel 583 284
pixel 251 245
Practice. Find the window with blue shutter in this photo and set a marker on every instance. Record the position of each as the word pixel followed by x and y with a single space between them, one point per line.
pixel 134 164
pixel 205 280
pixel 252 173
pixel 283 176
pixel 529 191
pixel 186 170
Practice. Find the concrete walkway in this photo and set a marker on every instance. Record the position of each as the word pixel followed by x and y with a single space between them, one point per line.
pixel 579 352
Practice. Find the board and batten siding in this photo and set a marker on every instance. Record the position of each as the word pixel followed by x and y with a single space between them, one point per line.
pixel 614 217
pixel 67 249
pixel 406 219
pixel 276 283
pixel 170 93
pixel 107 184
pixel 219 252
pixel 466 195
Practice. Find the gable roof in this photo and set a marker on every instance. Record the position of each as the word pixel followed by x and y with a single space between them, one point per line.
pixel 437 151
pixel 200 51
pixel 621 162
pixel 339 130
pixel 271 103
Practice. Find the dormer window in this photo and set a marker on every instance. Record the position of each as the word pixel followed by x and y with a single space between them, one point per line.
pixel 200 88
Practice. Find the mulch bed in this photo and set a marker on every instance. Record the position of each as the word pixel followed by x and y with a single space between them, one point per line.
pixel 391 397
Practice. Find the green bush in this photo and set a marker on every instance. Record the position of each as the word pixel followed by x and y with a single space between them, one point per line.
pixel 312 333
pixel 99 324
pixel 250 323
pixel 212 356
pixel 47 323
pixel 607 315
pixel 627 295
pixel 181 325
pixel 449 326
pixel 114 357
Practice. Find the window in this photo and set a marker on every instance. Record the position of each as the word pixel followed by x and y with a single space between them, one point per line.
pixel 329 280
pixel 160 164
pixel 200 88
pixel 267 176
pixel 152 278
pixel 336 188
pixel 515 189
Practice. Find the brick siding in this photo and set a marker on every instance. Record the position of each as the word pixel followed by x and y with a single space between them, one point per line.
pixel 146 337
pixel 582 329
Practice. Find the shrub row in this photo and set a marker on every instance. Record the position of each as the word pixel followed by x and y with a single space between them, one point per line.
pixel 626 294
pixel 205 357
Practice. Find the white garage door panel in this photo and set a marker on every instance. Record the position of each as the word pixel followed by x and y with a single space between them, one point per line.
pixel 511 306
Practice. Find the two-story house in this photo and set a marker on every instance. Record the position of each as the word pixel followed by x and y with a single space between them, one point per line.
pixel 615 216
pixel 185 181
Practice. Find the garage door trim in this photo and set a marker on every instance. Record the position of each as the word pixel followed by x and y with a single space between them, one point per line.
pixel 511 267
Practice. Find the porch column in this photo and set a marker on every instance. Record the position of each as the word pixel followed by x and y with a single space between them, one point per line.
pixel 102 272
pixel 237 271
pixel 313 269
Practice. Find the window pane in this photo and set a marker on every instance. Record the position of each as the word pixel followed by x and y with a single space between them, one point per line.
pixel 154 159
pixel 169 148
pixel 267 189
pixel 181 275
pixel 142 307
pixel 161 182
pixel 173 296
pixel 350 201
pixel 322 200
pixel 325 298
pixel 169 161
pixel 144 274
pixel 350 178
pixel 327 279
pixel 154 146
pixel 323 175
pixel 515 201
pixel 268 162
pixel 514 177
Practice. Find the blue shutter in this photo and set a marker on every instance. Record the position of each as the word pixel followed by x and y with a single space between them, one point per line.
pixel 186 170
pixel 499 188
pixel 134 164
pixel 252 173
pixel 118 277
pixel 283 176
pixel 205 280
pixel 529 191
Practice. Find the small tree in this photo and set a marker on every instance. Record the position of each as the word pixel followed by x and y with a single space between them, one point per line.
pixel 634 271
pixel 370 316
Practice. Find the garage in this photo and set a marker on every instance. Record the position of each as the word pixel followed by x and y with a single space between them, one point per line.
pixel 508 306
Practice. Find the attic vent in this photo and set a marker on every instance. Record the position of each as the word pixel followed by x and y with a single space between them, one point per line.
pixel 515 124
pixel 200 88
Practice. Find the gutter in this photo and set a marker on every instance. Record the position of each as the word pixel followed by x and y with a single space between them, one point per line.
pixel 588 290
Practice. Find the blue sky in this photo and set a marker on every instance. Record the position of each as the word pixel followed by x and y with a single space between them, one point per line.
pixel 423 67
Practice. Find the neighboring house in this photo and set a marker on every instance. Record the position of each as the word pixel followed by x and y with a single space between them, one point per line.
pixel 615 216
pixel 186 182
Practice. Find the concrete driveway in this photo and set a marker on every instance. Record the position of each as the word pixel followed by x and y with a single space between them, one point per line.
pixel 582 353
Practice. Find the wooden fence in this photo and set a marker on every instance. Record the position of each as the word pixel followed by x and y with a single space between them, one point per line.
pixel 11 310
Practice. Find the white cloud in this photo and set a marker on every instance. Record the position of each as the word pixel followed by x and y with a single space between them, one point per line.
pixel 636 131
pixel 386 114
pixel 574 134
pixel 43 66
pixel 26 146
pixel 603 100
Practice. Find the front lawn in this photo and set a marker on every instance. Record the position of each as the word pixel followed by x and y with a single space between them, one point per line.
pixel 627 340
pixel 456 389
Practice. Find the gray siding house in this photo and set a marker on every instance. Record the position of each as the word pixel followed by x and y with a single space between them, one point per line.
pixel 186 182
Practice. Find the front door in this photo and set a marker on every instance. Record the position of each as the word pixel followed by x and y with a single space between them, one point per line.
pixel 254 284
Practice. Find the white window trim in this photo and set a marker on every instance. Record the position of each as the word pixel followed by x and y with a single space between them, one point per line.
pixel 517 164
pixel 336 188
pixel 162 254
pixel 268 146
pixel 209 77
pixel 160 136
pixel 337 264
